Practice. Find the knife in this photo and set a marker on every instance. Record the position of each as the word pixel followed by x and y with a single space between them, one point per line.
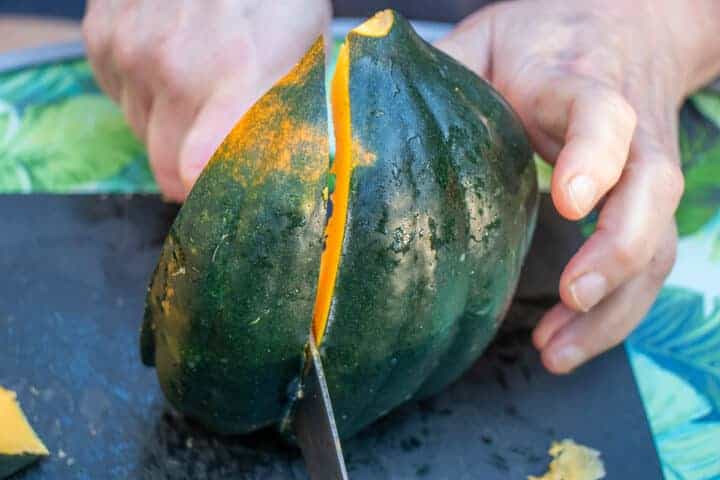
pixel 314 423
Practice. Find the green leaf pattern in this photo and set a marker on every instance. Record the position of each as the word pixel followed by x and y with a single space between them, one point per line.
pixel 59 134
pixel 675 355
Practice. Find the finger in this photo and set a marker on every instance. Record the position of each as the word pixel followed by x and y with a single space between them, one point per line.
pixel 136 105
pixel 215 119
pixel 98 29
pixel 629 228
pixel 553 320
pixel 170 119
pixel 128 61
pixel 609 323
pixel 596 125
pixel 470 41
pixel 129 57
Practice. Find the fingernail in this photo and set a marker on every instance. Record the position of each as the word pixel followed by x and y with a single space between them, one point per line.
pixel 588 290
pixel 582 192
pixel 567 358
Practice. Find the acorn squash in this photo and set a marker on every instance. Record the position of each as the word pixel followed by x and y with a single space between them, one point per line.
pixel 19 446
pixel 400 253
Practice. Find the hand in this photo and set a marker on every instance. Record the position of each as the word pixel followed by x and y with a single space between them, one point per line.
pixel 597 85
pixel 185 74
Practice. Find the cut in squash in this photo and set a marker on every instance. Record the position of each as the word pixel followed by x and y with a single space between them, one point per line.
pixel 337 195
pixel 19 446
pixel 337 201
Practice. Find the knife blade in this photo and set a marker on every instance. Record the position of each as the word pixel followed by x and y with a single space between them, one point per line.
pixel 314 424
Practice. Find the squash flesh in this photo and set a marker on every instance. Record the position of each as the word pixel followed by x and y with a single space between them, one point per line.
pixel 376 26
pixel 16 435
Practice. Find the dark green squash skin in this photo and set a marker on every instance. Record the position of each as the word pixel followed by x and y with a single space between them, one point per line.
pixel 438 226
pixel 229 305
pixel 10 464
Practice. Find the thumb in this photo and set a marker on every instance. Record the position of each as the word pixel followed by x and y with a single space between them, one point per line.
pixel 214 120
pixel 470 42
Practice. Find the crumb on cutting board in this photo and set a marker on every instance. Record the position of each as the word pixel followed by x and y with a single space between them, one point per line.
pixel 572 461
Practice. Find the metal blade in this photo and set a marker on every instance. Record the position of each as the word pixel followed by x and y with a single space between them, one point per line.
pixel 314 424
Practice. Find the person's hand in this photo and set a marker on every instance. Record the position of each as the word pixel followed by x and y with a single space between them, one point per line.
pixel 184 72
pixel 597 85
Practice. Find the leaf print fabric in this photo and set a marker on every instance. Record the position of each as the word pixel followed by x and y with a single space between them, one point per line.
pixel 58 134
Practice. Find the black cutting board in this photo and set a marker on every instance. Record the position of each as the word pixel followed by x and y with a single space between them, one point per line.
pixel 73 271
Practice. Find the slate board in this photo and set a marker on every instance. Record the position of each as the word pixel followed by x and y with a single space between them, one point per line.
pixel 73 271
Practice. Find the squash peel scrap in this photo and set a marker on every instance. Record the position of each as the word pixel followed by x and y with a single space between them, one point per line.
pixel 19 446
pixel 572 461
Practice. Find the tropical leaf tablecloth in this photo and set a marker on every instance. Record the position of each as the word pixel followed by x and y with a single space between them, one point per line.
pixel 58 133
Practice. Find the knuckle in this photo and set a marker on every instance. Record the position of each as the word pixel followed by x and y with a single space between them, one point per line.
pixel 93 37
pixel 664 175
pixel 630 251
pixel 600 66
pixel 125 56
pixel 124 50
pixel 620 109
pixel 660 162
pixel 165 54
pixel 168 65
pixel 670 179
pixel 663 261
